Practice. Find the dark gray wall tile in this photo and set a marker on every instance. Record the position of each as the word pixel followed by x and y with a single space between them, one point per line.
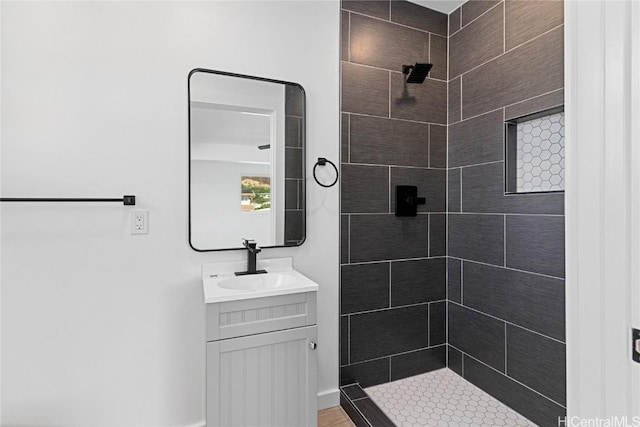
pixel 538 362
pixel 530 300
pixel 418 281
pixel 293 162
pixel 474 8
pixel 454 190
pixel 344 137
pixel 344 340
pixel 354 392
pixel 477 43
pixel 538 409
pixel 525 20
pixel 536 243
pixel 293 226
pixel 364 287
pixel 437 323
pixel 478 335
pixel 294 101
pixel 365 90
pixel 413 15
pixel 534 105
pixel 356 417
pixel 387 237
pixel 376 8
pixel 426 102
pixel 530 70
pixel 372 413
pixel 389 142
pixel 387 332
pixel 438 57
pixel 291 194
pixel 368 374
pixel 454 100
pixel 477 237
pixel 431 183
pixel 437 146
pixel 454 280
pixel 437 235
pixel 483 191
pixel 292 132
pixel 385 45
pixel 418 362
pixel 477 140
pixel 344 239
pixel 344 35
pixel 454 360
pixel 364 189
pixel 454 20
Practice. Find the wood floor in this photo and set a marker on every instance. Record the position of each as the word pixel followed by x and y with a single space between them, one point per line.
pixel 334 417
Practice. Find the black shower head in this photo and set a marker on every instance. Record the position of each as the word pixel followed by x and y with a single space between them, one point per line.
pixel 416 73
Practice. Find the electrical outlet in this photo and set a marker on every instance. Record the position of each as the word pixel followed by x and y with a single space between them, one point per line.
pixel 140 222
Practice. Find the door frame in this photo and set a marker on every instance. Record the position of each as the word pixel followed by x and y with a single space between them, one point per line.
pixel 602 84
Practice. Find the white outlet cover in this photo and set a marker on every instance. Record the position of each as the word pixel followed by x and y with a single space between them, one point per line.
pixel 140 221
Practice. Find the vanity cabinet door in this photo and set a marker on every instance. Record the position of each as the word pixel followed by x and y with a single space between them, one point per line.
pixel 263 380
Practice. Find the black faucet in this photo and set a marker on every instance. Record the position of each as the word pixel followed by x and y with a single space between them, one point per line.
pixel 252 251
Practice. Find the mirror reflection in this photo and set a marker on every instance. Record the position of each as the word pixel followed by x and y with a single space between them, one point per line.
pixel 246 161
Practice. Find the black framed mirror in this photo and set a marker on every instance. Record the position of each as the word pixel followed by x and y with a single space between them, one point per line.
pixel 246 161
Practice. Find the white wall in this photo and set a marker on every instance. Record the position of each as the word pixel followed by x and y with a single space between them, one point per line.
pixel 100 327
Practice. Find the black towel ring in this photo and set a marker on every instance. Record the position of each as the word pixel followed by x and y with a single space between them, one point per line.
pixel 322 162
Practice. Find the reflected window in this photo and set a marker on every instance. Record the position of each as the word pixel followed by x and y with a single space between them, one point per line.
pixel 255 193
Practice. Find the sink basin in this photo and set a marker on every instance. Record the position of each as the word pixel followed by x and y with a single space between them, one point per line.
pixel 258 282
pixel 220 284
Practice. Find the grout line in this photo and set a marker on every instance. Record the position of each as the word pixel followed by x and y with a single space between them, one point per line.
pixel 389 370
pixel 349 39
pixel 349 238
pixel 499 213
pixel 462 359
pixel 401 166
pixel 418 304
pixel 389 99
pixel 460 100
pixel 461 282
pixel 349 138
pixel 389 21
pixel 429 145
pixel 349 339
pixel 396 118
pixel 428 235
pixel 391 213
pixel 511 378
pixel 509 268
pixel 374 67
pixel 504 242
pixel 394 260
pixel 509 322
pixel 504 27
pixel 389 285
pixel 505 349
pixel 429 324
pixel 402 353
pixel 460 203
pixel 390 190
pixel 430 45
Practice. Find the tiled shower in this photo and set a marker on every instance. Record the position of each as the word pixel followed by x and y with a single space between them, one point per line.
pixel 475 282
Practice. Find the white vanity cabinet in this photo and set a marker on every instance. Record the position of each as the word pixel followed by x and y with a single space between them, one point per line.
pixel 261 361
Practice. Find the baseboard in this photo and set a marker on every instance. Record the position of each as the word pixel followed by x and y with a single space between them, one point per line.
pixel 328 399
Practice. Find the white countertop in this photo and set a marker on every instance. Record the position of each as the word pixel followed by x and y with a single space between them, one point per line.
pixel 214 273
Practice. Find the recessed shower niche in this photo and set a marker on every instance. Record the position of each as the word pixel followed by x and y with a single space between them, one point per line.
pixel 534 149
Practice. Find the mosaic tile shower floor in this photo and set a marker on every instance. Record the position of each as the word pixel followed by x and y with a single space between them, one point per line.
pixel 442 398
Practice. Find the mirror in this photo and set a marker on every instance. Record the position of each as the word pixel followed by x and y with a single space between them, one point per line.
pixel 246 161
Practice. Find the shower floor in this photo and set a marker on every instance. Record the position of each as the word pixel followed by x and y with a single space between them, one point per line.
pixel 442 398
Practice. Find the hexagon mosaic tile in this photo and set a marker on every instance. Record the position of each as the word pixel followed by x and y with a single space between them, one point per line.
pixel 540 154
pixel 442 398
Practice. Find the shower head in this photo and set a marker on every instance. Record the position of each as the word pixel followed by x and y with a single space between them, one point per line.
pixel 264 147
pixel 416 73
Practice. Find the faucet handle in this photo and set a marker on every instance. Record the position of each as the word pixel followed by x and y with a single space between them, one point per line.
pixel 249 243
